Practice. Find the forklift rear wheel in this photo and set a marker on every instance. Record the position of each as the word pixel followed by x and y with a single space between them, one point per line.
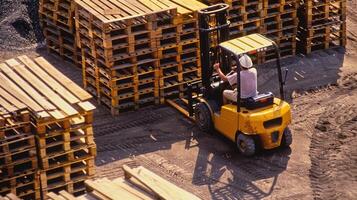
pixel 287 138
pixel 203 117
pixel 246 145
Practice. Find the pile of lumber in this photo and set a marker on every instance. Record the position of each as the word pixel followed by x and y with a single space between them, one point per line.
pixel 57 21
pixel 322 24
pixel 18 161
pixel 139 184
pixel 9 196
pixel 137 52
pixel 61 118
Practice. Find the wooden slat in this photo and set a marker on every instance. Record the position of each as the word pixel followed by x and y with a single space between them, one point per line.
pixel 7 106
pixel 12 99
pixel 26 88
pixel 7 85
pixel 49 80
pixel 160 186
pixel 65 81
pixel 40 86
pixel 120 182
pixel 54 196
pixel 128 190
pixel 108 192
pixel 67 195
pixel 12 196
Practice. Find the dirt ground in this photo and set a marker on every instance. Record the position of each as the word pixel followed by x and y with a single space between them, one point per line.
pixel 321 163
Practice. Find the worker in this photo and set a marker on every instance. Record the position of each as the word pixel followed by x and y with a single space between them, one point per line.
pixel 248 80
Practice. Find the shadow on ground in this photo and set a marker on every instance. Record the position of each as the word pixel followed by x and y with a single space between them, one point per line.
pixel 157 130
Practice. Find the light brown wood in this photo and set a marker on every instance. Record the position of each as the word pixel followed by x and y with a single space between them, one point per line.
pixel 65 81
pixel 42 87
pixel 67 195
pixel 54 196
pixel 120 182
pixel 51 82
pixel 164 189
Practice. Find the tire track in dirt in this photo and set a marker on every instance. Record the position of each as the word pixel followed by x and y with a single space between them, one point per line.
pixel 333 172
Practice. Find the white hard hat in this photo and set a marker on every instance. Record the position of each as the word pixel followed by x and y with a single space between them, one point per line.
pixel 245 61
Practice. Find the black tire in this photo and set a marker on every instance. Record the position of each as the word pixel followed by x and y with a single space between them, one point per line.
pixel 246 145
pixel 287 138
pixel 203 117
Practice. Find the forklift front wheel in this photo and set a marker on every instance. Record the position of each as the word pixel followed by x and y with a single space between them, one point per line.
pixel 246 145
pixel 287 138
pixel 203 117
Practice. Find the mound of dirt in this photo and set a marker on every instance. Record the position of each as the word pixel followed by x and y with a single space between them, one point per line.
pixel 19 24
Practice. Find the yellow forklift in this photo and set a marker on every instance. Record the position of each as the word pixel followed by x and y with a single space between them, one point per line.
pixel 261 122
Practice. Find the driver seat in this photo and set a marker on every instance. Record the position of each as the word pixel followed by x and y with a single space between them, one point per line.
pixel 259 101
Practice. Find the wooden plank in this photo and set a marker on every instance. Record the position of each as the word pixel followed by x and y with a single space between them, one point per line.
pixel 40 86
pixel 65 81
pixel 129 191
pixel 138 5
pixel 49 80
pixel 12 196
pixel 86 106
pixel 7 106
pixel 107 191
pixel 160 186
pixel 67 195
pixel 25 87
pixel 54 196
pixel 171 4
pixel 120 182
pixel 87 6
pixel 12 99
pixel 6 84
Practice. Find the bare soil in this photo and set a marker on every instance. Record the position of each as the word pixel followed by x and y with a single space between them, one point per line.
pixel 320 164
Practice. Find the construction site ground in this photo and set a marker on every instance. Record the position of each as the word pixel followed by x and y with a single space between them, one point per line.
pixel 321 163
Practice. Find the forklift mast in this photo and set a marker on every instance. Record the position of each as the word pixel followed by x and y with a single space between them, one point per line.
pixel 213 29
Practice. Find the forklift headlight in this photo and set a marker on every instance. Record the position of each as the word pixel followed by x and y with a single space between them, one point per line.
pixel 274 136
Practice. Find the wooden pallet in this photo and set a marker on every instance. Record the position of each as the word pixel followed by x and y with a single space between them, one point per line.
pixel 322 25
pixel 122 51
pixel 26 185
pixel 66 174
pixel 60 112
pixel 57 21
pixel 18 160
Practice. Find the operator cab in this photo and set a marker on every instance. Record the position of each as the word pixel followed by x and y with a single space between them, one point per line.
pixel 233 50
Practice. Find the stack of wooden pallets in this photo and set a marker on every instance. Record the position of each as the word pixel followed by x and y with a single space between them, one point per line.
pixel 245 17
pixel 119 50
pixel 137 52
pixel 178 48
pixel 139 184
pixel 322 24
pixel 18 161
pixel 276 19
pixel 57 21
pixel 280 24
pixel 61 119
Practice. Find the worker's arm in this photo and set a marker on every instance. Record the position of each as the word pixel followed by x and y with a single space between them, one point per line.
pixel 220 73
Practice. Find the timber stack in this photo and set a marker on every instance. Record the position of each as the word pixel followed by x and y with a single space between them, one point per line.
pixel 18 160
pixel 61 121
pixel 138 184
pixel 322 25
pixel 57 21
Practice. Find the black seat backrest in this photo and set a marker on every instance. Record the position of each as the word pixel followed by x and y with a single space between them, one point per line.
pixel 259 101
